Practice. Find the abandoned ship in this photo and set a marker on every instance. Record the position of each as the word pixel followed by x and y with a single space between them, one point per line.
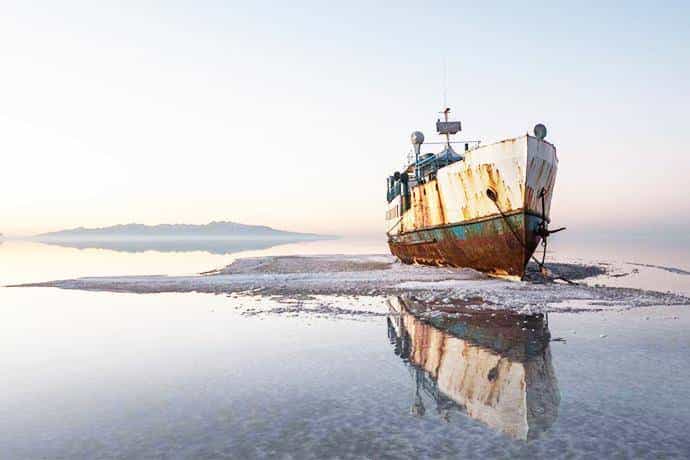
pixel 486 207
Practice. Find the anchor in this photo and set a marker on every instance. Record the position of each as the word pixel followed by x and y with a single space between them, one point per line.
pixel 543 231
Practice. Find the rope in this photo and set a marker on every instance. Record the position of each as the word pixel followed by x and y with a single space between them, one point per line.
pixel 388 233
pixel 541 264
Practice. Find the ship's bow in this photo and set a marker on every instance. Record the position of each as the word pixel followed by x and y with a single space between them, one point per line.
pixel 541 165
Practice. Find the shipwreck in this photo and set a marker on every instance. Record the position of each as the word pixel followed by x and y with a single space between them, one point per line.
pixel 485 207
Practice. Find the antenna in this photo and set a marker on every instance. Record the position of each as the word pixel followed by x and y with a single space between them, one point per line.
pixel 445 82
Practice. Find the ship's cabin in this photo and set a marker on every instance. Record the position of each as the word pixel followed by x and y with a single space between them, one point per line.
pixel 427 165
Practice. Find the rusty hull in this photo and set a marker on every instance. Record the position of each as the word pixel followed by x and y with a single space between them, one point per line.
pixel 489 245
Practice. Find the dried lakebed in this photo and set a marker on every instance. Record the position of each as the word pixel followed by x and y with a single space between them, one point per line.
pixel 338 285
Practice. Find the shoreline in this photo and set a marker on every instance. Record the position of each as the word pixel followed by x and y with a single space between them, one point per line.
pixel 372 276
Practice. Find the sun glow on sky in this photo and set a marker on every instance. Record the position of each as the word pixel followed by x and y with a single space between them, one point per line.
pixel 293 116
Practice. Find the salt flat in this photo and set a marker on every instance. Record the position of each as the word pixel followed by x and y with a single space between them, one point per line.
pixel 380 275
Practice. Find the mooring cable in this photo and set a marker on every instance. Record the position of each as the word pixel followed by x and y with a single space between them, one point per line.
pixel 541 264
pixel 388 233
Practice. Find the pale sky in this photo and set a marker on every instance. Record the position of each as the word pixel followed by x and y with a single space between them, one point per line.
pixel 187 112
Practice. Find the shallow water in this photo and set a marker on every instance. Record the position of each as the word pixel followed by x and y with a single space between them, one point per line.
pixel 102 375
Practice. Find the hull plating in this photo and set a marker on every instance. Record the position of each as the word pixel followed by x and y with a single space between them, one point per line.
pixel 489 245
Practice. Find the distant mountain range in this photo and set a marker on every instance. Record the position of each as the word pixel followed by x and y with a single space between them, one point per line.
pixel 214 238
pixel 214 230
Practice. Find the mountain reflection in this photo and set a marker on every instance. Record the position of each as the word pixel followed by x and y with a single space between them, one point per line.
pixel 494 366
pixel 210 245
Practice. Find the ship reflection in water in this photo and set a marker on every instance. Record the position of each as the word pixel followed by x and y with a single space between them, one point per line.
pixel 494 366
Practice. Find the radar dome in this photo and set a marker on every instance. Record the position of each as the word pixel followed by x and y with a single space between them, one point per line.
pixel 417 138
pixel 540 131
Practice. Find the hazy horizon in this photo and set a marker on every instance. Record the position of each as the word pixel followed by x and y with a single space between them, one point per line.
pixel 292 117
pixel 678 232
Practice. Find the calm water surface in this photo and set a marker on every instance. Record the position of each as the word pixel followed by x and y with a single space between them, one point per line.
pixel 102 375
